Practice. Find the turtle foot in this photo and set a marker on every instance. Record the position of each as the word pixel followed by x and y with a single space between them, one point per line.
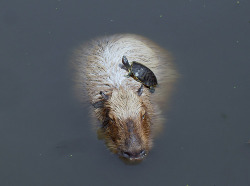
pixel 152 90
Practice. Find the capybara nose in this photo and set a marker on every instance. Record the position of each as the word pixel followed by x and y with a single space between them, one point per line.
pixel 134 155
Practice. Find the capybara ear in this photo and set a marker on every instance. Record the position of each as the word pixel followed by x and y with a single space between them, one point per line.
pixel 106 97
pixel 140 90
pixel 98 104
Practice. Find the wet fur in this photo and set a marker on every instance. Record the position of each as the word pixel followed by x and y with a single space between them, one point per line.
pixel 124 116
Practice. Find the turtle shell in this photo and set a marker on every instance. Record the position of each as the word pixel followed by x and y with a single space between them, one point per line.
pixel 143 74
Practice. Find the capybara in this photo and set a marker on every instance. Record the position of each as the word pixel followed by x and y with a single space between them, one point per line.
pixel 129 114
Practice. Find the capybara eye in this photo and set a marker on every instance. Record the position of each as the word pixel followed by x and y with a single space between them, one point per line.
pixel 111 117
pixel 111 120
pixel 143 116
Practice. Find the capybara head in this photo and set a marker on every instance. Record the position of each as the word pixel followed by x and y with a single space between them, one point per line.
pixel 127 123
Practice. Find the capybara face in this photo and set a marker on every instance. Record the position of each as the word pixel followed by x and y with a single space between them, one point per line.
pixel 127 128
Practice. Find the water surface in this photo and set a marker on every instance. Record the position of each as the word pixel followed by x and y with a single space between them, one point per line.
pixel 46 137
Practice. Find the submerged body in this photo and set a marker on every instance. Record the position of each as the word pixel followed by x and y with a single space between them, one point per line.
pixel 129 114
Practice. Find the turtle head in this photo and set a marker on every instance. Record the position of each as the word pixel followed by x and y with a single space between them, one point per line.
pixel 126 63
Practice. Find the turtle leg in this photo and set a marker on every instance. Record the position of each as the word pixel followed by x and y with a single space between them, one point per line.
pixel 128 75
pixel 140 90
pixel 151 89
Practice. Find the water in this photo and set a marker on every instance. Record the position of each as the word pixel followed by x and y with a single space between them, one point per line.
pixel 45 134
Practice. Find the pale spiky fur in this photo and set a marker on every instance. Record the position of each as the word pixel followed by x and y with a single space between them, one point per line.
pixel 98 64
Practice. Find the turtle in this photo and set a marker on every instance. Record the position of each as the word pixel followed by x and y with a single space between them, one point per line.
pixel 140 73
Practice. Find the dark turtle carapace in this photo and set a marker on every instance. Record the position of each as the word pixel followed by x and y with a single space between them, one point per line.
pixel 140 73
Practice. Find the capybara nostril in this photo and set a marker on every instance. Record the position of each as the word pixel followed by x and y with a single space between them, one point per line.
pixel 126 155
pixel 134 155
pixel 143 153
